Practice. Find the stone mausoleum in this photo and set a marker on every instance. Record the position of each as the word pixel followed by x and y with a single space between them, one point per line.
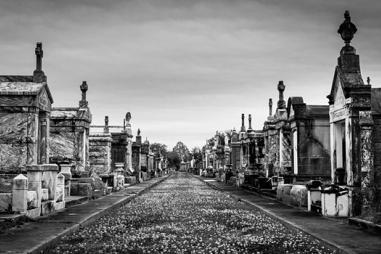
pixel 25 108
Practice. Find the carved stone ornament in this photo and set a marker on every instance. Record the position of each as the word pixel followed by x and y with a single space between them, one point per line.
pixel 347 29
pixel 128 117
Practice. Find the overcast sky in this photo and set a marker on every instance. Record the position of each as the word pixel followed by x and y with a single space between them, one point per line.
pixel 185 69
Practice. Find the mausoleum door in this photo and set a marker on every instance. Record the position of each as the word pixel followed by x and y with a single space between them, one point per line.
pixel 340 146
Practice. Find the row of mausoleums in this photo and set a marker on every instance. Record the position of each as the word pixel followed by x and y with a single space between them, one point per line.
pixel 326 157
pixel 51 155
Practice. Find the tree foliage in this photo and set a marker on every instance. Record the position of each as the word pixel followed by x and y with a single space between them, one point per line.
pixel 182 150
pixel 156 147
pixel 173 160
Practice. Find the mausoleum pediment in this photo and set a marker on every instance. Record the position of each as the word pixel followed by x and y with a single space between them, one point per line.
pixel 25 94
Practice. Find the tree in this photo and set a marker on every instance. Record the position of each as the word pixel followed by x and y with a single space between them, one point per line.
pixel 158 147
pixel 197 156
pixel 173 160
pixel 182 150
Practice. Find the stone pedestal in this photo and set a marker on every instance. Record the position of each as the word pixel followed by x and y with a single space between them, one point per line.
pixel 34 174
pixel 66 171
pixel 19 194
pixel 49 177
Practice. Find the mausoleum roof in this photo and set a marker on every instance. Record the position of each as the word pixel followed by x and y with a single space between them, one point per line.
pixel 16 78
pixel 318 110
pixel 24 88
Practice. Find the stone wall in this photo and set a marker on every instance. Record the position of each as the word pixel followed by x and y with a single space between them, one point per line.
pixel 100 153
pixel 313 149
pixel 13 141
pixel 63 145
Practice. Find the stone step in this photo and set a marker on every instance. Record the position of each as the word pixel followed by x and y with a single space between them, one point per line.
pixel 75 200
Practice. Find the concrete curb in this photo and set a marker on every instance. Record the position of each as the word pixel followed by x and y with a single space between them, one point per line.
pixel 287 223
pixel 48 243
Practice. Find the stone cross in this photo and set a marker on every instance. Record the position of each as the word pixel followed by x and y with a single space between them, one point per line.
pixel 39 54
pixel 83 102
pixel 38 74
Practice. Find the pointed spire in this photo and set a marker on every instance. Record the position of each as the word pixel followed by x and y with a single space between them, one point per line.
pixel 281 101
pixel 83 102
pixel 243 129
pixel 106 129
pixel 270 107
pixel 250 122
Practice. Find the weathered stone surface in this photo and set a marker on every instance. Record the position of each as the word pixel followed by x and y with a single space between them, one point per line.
pixel 130 179
pixel 32 200
pixel 47 207
pixel 13 142
pixel 299 195
pixel 81 189
pixel 100 153
pixel 6 182
pixel 63 145
pixel 283 193
pixel 45 194
pixel 5 201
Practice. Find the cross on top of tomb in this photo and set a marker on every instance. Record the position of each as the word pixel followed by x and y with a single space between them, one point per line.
pixel 83 102
pixel 38 74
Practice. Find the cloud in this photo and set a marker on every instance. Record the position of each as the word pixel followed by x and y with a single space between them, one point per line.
pixel 185 68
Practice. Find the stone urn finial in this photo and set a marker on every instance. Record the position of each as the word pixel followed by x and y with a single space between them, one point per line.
pixel 281 101
pixel 347 29
pixel 128 117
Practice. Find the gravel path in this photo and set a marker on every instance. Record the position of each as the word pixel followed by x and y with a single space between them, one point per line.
pixel 184 215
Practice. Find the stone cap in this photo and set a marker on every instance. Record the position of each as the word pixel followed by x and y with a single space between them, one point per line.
pixel 42 167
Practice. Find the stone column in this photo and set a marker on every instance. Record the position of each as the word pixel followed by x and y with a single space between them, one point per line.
pixel 49 177
pixel 366 161
pixel 348 150
pixel 59 194
pixel 19 194
pixel 34 174
pixel 44 147
pixel 32 138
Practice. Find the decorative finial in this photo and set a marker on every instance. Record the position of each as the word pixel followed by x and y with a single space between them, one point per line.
pixel 250 122
pixel 83 102
pixel 281 101
pixel 270 107
pixel 106 129
pixel 368 80
pixel 128 117
pixel 347 29
pixel 39 55
pixel 138 132
pixel 243 123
